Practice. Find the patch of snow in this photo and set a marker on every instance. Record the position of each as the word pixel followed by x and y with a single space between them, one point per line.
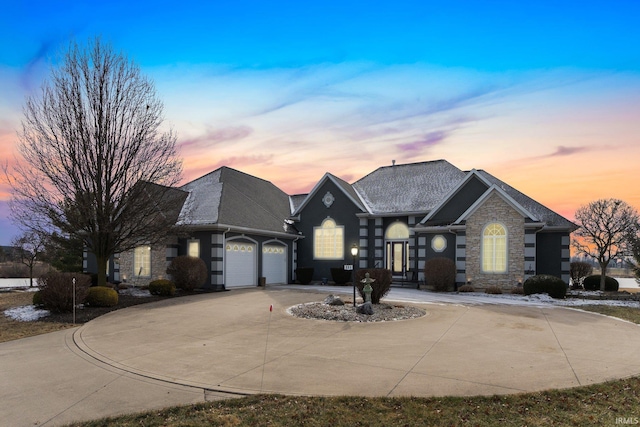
pixel 26 313
pixel 135 292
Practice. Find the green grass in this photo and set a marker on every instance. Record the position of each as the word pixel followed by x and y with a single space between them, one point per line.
pixel 607 404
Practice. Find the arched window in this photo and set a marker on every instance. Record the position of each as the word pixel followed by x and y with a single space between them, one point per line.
pixel 494 248
pixel 328 240
pixel 397 231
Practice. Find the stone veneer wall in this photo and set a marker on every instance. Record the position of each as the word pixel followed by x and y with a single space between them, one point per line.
pixel 159 263
pixel 495 209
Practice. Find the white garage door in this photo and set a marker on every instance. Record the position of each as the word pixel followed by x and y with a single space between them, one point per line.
pixel 240 265
pixel 274 263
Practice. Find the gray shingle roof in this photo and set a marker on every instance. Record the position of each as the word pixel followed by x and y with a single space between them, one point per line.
pixel 296 200
pixel 414 187
pixel 541 212
pixel 230 197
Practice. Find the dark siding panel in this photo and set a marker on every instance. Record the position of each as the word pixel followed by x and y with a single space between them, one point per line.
pixel 549 254
pixel 343 212
pixel 460 202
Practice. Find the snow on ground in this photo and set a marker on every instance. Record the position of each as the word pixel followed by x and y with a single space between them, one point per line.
pixel 26 313
pixel 135 292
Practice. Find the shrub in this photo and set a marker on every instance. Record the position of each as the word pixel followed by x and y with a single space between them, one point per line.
pixel 101 296
pixel 545 284
pixel 517 290
pixel 37 299
pixel 440 273
pixel 579 270
pixel 57 290
pixel 341 276
pixel 162 287
pixel 188 272
pixel 592 283
pixel 381 286
pixel 493 289
pixel 304 275
pixel 466 288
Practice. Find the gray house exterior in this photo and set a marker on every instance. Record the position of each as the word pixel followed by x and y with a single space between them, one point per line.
pixel 249 231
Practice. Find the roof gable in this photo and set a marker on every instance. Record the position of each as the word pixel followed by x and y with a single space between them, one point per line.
pixel 504 196
pixel 455 193
pixel 541 212
pixel 342 185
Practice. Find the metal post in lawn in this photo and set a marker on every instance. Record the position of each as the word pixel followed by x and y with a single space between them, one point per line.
pixel 74 300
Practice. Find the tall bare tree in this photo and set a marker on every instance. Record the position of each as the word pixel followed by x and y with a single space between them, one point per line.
pixel 95 162
pixel 604 230
pixel 30 246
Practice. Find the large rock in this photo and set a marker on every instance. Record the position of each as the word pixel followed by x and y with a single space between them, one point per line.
pixel 366 308
pixel 333 300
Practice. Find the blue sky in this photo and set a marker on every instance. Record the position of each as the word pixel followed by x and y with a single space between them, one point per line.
pixel 542 94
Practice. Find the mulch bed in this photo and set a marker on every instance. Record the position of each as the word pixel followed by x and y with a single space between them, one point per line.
pixel 86 314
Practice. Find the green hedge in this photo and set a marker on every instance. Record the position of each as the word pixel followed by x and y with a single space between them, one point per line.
pixel 592 283
pixel 101 296
pixel 162 287
pixel 545 284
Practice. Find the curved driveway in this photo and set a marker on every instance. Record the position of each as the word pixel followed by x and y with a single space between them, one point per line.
pixel 231 342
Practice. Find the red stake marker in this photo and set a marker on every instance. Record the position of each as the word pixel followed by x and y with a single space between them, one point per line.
pixel 271 307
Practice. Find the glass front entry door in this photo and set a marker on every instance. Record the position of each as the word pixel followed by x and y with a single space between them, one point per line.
pixel 398 258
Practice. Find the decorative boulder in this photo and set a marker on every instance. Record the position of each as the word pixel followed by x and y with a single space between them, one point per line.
pixel 333 300
pixel 366 308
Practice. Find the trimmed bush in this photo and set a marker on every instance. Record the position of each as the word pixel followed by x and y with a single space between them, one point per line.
pixel 57 290
pixel 101 296
pixel 304 275
pixel 341 276
pixel 592 283
pixel 579 270
pixel 188 272
pixel 494 290
pixel 545 284
pixel 381 286
pixel 440 273
pixel 162 287
pixel 466 288
pixel 517 290
pixel 37 299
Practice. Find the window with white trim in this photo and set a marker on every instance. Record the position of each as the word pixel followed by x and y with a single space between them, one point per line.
pixel 328 240
pixel 494 248
pixel 142 261
pixel 193 248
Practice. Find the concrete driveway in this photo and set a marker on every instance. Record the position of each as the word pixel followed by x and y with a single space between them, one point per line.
pixel 210 346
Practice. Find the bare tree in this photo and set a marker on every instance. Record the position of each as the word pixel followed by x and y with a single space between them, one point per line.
pixel 95 163
pixel 604 230
pixel 30 245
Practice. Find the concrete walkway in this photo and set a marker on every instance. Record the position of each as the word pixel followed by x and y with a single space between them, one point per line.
pixel 201 347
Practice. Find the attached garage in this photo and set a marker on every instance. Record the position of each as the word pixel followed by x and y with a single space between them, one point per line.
pixel 240 264
pixel 274 263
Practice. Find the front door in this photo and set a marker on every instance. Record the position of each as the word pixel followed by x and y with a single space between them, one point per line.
pixel 397 258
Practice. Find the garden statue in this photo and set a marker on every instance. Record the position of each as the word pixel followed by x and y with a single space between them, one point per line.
pixel 367 289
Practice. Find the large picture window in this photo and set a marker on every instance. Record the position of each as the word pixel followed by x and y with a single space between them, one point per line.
pixel 328 240
pixel 142 261
pixel 494 248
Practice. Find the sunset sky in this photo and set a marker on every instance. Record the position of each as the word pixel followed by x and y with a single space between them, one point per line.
pixel 544 95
